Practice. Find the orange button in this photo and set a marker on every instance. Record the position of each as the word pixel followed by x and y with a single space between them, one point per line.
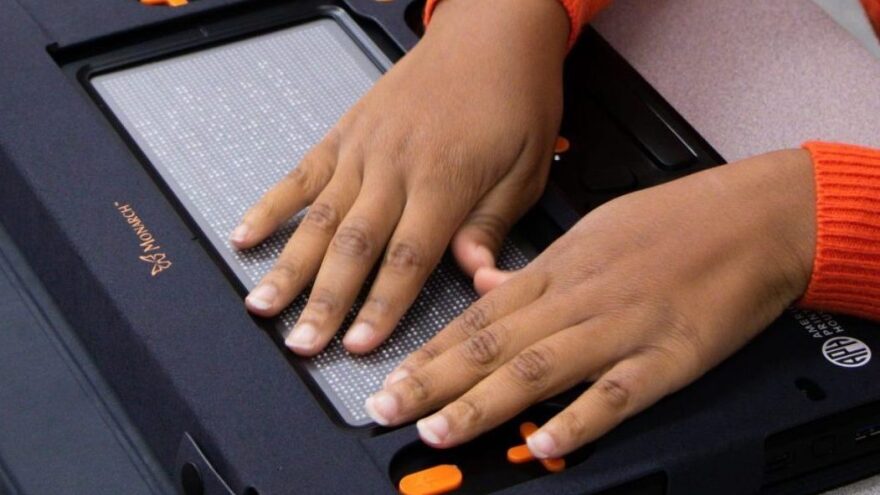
pixel 520 454
pixel 553 465
pixel 562 145
pixel 169 3
pixel 432 481
pixel 525 431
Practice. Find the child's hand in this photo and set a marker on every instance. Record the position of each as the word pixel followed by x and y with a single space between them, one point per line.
pixel 642 297
pixel 455 140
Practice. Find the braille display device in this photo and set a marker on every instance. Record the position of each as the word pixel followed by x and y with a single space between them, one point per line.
pixel 132 139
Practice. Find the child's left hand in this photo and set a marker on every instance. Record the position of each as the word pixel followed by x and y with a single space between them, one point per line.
pixel 642 297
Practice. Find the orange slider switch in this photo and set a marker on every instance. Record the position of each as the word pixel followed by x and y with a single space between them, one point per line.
pixel 432 481
pixel 521 453
pixel 169 3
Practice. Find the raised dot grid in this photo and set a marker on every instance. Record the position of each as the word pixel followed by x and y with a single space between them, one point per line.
pixel 225 124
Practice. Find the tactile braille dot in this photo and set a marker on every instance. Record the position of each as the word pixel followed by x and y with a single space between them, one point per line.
pixel 224 124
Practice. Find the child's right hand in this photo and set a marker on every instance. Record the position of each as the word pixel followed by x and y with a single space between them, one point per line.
pixel 644 295
pixel 453 143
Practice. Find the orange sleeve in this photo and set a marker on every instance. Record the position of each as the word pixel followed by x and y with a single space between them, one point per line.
pixel 846 267
pixel 579 11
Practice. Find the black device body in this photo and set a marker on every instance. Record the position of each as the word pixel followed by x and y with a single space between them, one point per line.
pixel 214 395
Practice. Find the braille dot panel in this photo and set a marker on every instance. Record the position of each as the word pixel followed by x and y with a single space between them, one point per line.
pixel 224 124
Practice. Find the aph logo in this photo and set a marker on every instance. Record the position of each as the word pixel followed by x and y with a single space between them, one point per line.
pixel 158 261
pixel 846 351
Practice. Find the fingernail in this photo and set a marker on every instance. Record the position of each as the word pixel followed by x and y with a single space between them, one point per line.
pixel 541 444
pixel 262 297
pixel 239 234
pixel 382 407
pixel 302 338
pixel 394 377
pixel 359 335
pixel 434 429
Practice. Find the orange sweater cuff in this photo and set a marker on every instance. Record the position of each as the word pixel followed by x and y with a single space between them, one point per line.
pixel 846 267
pixel 580 12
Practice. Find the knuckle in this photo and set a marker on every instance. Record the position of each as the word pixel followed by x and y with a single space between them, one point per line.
pixel 322 302
pixel 474 319
pixel 334 135
pixel 399 148
pixel 377 305
pixel 353 240
pixel 686 334
pixel 264 208
pixel 573 424
pixel 404 256
pixel 417 386
pixel 322 216
pixel 533 366
pixel 287 269
pixel 682 335
pixel 590 270
pixel 613 393
pixel 467 411
pixel 686 362
pixel 420 357
pixel 662 352
pixel 428 352
pixel 483 348
pixel 301 177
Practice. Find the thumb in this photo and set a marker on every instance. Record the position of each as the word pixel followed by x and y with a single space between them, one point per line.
pixel 488 278
pixel 479 238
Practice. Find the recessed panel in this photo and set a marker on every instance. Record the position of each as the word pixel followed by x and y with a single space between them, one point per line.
pixel 223 124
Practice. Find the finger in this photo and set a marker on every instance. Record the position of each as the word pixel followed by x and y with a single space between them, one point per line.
pixel 295 191
pixel 508 298
pixel 355 247
pixel 458 369
pixel 542 370
pixel 479 239
pixel 488 278
pixel 301 257
pixel 626 389
pixel 416 247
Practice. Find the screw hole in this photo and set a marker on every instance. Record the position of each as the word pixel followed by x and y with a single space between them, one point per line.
pixel 191 480
pixel 810 389
pixel 250 491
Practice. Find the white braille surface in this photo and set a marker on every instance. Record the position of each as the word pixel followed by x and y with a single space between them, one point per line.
pixel 224 124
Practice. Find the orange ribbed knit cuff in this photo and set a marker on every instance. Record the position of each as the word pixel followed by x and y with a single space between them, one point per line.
pixel 580 12
pixel 846 268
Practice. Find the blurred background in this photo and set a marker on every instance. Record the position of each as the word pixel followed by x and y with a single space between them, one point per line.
pixel 851 15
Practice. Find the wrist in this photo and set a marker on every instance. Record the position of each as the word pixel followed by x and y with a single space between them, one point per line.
pixel 797 221
pixel 538 27
pixel 783 188
pixel 769 206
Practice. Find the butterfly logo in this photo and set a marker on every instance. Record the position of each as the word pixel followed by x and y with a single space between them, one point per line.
pixel 159 262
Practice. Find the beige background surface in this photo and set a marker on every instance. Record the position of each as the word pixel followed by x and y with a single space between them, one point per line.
pixel 752 75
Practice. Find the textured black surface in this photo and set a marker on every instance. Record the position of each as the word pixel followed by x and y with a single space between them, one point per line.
pixel 183 357
pixel 61 428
